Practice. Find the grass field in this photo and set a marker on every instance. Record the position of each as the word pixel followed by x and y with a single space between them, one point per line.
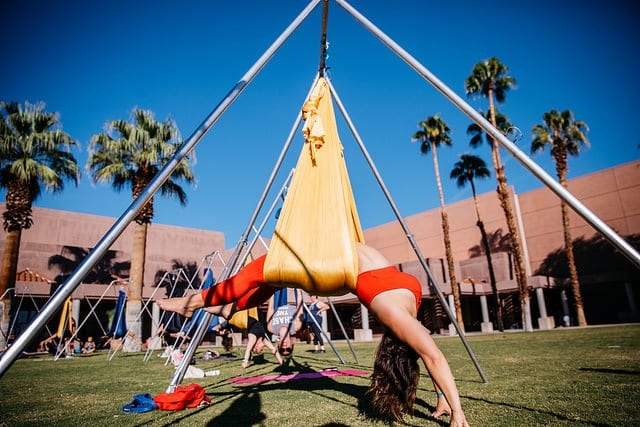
pixel 564 377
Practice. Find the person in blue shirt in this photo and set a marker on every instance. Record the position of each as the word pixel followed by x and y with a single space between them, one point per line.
pixel 316 308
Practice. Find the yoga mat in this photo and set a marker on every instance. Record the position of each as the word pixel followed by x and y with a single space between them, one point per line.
pixel 300 376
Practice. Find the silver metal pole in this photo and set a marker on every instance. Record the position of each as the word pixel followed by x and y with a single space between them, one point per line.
pixel 200 332
pixel 92 311
pixel 407 232
pixel 344 332
pixel 242 242
pixel 10 355
pixel 533 167
pixel 333 347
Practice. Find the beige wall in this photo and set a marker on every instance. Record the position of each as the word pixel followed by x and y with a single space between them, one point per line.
pixel 611 194
pixel 53 229
pixel 426 228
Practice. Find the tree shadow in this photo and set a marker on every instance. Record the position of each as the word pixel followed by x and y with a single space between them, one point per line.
pixel 189 279
pixel 105 271
pixel 593 256
pixel 498 242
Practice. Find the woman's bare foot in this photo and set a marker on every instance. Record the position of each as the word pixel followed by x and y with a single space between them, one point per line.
pixel 181 305
pixel 228 310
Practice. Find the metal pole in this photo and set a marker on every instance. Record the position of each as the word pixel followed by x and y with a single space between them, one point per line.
pixel 323 38
pixel 407 232
pixel 10 355
pixel 344 332
pixel 533 167
pixel 242 242
pixel 206 318
pixel 324 334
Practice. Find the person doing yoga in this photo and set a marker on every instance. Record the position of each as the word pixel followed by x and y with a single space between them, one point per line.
pixel 393 297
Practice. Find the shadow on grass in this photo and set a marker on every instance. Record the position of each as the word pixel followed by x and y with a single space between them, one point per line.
pixel 611 371
pixel 246 408
pixel 246 405
pixel 535 410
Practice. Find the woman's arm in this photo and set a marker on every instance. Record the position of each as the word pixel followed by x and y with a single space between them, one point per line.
pixel 323 307
pixel 270 311
pixel 396 310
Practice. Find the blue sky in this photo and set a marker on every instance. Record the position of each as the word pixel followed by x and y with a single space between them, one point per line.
pixel 93 62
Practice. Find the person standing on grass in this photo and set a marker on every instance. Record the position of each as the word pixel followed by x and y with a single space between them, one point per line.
pixel 394 298
pixel 316 308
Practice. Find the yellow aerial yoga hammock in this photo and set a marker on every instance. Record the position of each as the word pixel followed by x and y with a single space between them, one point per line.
pixel 314 243
pixel 66 321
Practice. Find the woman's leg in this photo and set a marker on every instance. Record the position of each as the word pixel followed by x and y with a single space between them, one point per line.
pixel 235 287
pixel 251 342
pixel 224 311
pixel 244 287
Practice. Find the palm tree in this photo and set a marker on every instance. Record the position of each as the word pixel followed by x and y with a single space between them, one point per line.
pixel 565 136
pixel 130 154
pixel 34 154
pixel 433 133
pixel 477 138
pixel 490 79
pixel 464 171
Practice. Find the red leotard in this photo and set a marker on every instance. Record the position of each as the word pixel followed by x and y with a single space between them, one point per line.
pixel 373 282
pixel 249 289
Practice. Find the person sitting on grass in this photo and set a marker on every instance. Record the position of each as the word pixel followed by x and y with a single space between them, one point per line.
pixel 89 346
pixel 394 298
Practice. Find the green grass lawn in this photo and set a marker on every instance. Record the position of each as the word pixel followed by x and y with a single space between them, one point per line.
pixel 565 377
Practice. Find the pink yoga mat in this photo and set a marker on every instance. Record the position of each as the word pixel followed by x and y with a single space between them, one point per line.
pixel 304 375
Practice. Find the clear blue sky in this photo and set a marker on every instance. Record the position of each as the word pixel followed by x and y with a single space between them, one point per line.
pixel 93 62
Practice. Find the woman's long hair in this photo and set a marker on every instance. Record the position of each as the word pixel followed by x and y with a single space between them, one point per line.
pixel 394 381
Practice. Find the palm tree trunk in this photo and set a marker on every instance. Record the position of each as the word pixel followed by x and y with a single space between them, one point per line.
pixel 521 276
pixel 573 272
pixel 505 202
pixel 560 158
pixel 492 275
pixel 455 290
pixel 136 279
pixel 487 252
pixel 561 170
pixel 8 279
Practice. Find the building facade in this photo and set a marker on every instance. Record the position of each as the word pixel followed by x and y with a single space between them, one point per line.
pixel 612 194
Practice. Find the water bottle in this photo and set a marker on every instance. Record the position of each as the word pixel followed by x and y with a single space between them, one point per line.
pixel 213 373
